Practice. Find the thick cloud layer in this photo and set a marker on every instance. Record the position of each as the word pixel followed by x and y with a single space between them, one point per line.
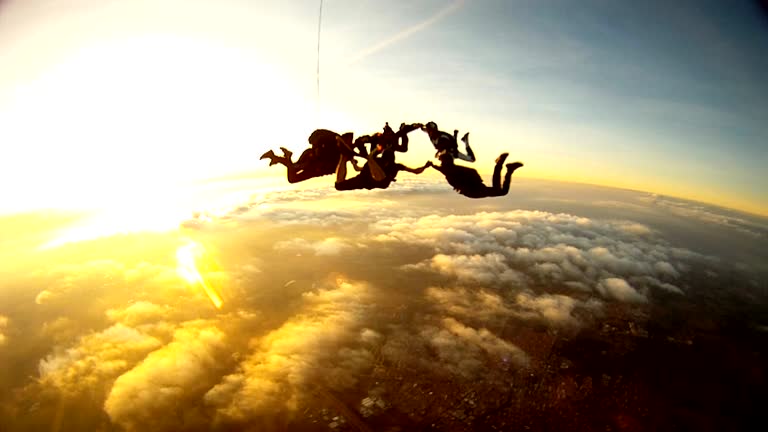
pixel 522 249
pixel 708 214
pixel 320 299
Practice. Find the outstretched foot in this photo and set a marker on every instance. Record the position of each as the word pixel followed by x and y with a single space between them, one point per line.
pixel 511 167
pixel 502 157
pixel 271 156
pixel 286 153
pixel 465 138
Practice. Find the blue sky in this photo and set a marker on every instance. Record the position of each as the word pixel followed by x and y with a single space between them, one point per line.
pixel 673 91
pixel 668 97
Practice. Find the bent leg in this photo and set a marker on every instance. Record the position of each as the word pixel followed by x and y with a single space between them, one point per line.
pixel 341 169
pixel 360 181
pixel 296 176
pixel 480 191
pixel 497 170
pixel 306 156
pixel 508 177
pixel 470 153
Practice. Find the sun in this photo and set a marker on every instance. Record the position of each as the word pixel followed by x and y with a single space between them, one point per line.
pixel 135 119
pixel 187 257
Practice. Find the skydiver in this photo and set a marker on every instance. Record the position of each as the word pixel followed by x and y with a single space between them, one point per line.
pixel 381 143
pixel 444 141
pixel 318 160
pixel 398 141
pixel 468 182
pixel 381 157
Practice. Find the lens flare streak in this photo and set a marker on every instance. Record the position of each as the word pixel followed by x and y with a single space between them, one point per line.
pixel 186 257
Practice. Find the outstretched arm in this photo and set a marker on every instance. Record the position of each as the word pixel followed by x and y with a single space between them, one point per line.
pixel 402 136
pixel 437 167
pixel 418 170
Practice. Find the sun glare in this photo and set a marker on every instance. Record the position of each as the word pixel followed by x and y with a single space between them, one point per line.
pixel 119 119
pixel 187 257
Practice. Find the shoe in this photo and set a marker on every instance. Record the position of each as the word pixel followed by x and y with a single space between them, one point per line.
pixel 513 166
pixel 502 157
pixel 465 138
pixel 271 156
pixel 286 153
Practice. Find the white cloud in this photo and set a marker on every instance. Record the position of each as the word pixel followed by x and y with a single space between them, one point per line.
pixel 554 309
pixel 139 312
pixel 464 350
pixel 326 247
pixel 710 214
pixel 484 269
pixel 168 378
pixel 535 250
pixel 619 289
pixel 461 302
pixel 96 359
pixel 324 344
pixel 665 268
pixel 77 281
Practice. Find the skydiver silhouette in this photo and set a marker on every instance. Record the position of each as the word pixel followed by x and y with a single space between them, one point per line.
pixel 320 159
pixel 468 182
pixel 446 142
pixel 380 169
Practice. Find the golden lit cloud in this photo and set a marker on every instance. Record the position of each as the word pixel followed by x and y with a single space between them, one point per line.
pixel 167 378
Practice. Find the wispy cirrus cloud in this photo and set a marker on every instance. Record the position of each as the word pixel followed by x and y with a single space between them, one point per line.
pixel 406 33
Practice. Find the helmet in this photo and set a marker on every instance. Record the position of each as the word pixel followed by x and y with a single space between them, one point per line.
pixel 431 125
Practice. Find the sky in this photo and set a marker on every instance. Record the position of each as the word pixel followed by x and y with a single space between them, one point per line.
pixel 110 103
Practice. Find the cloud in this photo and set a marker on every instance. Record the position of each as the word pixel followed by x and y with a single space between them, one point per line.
pixel 83 280
pixel 555 309
pixel 173 376
pixel 540 251
pixel 710 214
pixel 443 303
pixel 139 312
pixel 493 308
pixel 462 302
pixel 619 289
pixel 95 360
pixel 464 350
pixel 483 269
pixel 326 247
pixel 403 34
pixel 325 345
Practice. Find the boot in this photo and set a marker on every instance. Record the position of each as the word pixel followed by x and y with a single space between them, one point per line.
pixel 271 156
pixel 513 166
pixel 286 153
